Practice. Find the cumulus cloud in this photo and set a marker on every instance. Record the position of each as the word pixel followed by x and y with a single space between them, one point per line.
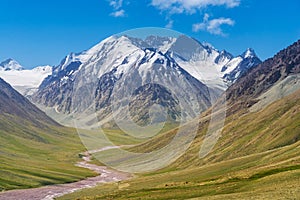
pixel 213 26
pixel 190 6
pixel 119 13
pixel 170 24
pixel 117 6
pixel 172 7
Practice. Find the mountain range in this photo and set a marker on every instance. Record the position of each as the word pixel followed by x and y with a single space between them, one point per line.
pixel 201 72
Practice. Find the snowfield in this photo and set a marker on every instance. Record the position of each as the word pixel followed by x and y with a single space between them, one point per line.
pixel 26 81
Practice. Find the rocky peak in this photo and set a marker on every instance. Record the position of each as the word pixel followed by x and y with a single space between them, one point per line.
pixel 10 64
pixel 249 53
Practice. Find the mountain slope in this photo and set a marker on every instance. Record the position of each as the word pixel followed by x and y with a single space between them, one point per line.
pixel 217 69
pixel 33 145
pixel 13 103
pixel 246 90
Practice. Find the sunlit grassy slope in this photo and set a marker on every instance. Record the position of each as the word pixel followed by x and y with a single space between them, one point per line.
pixel 257 157
pixel 253 176
pixel 34 156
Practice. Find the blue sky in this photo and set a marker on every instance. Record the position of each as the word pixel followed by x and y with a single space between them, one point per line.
pixel 38 32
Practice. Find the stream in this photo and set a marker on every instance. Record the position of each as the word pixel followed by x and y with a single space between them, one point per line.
pixel 106 175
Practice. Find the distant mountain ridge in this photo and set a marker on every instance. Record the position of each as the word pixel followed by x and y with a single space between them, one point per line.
pixel 25 81
pixel 193 56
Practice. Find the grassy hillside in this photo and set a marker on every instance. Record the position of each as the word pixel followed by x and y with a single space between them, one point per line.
pixel 32 156
pixel 256 157
pixel 254 176
pixel 244 133
pixel 35 156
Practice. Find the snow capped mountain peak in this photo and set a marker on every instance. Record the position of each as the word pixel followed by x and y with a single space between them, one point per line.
pixel 10 64
pixel 116 61
pixel 121 53
pixel 72 62
pixel 249 53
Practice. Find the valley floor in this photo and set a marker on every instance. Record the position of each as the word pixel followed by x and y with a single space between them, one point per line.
pixel 50 192
pixel 250 177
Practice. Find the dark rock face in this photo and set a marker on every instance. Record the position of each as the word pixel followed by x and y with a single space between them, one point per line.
pixel 57 89
pixel 153 94
pixel 104 90
pixel 260 78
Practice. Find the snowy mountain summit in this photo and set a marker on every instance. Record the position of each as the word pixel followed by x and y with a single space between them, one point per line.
pixel 10 64
pixel 129 73
pixel 249 53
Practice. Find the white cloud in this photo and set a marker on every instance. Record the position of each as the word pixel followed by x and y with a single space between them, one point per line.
pixel 119 13
pixel 213 26
pixel 116 4
pixel 170 24
pixel 117 7
pixel 198 27
pixel 191 6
